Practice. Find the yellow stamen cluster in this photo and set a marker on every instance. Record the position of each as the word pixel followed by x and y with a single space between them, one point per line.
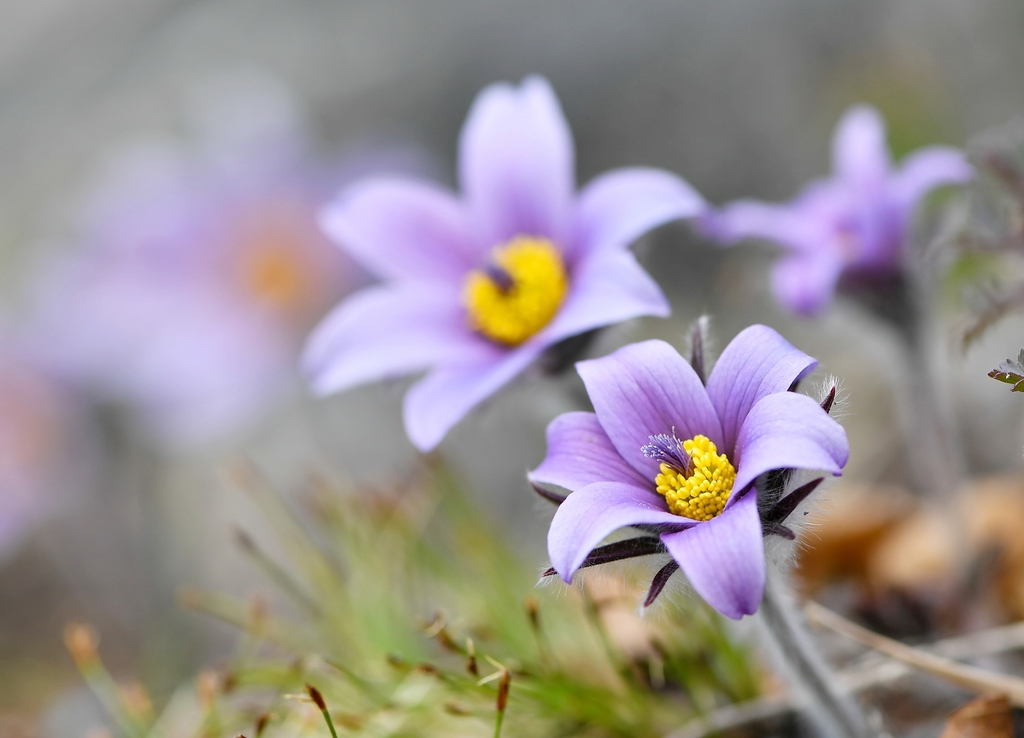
pixel 512 312
pixel 701 495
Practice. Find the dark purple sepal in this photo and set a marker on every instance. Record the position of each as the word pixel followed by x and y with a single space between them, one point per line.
pixel 785 507
pixel 662 528
pixel 778 529
pixel 660 580
pixel 548 495
pixel 564 354
pixel 627 549
pixel 826 404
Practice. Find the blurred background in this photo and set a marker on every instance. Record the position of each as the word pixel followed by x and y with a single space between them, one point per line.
pixel 212 130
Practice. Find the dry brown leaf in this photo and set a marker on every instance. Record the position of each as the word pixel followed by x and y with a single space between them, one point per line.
pixel 993 511
pixel 616 599
pixel 920 551
pixel 843 536
pixel 988 716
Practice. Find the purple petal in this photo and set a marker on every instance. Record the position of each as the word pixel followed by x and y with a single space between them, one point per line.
pixel 756 363
pixel 589 515
pixel 607 288
pixel 860 153
pixel 783 224
pixel 645 389
pixel 724 558
pixel 403 229
pixel 805 284
pixel 805 225
pixel 580 453
pixel 788 431
pixel 516 163
pixel 926 169
pixel 441 399
pixel 389 331
pixel 617 208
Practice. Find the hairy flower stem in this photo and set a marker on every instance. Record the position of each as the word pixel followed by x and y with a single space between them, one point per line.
pixel 936 465
pixel 830 711
pixel 936 459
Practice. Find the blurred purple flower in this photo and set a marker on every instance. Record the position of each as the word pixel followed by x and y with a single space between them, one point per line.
pixel 476 288
pixel 48 455
pixel 852 226
pixel 201 271
pixel 664 453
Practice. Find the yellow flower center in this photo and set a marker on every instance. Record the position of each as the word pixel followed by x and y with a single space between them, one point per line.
pixel 519 292
pixel 275 275
pixel 702 493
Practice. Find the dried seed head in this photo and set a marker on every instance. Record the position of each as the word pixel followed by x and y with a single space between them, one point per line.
pixel 207 686
pixel 471 665
pixel 532 612
pixel 80 640
pixel 503 688
pixel 259 616
pixel 318 699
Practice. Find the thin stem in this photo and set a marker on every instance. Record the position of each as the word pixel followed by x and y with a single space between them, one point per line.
pixel 832 712
pixel 902 302
pixel 330 723
pixel 936 463
pixel 318 700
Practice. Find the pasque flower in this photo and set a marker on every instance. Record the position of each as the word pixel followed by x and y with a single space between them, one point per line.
pixel 851 227
pixel 477 287
pixel 200 269
pixel 686 463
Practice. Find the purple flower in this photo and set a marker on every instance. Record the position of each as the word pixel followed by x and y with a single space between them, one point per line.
pixel 199 271
pixel 852 226
pixel 477 287
pixel 681 461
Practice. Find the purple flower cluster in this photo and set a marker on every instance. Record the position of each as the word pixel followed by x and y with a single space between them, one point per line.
pixel 852 226
pixel 627 466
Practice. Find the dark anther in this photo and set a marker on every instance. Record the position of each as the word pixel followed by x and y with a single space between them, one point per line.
pixel 501 278
pixel 627 549
pixel 669 450
pixel 826 404
pixel 660 580
pixel 785 507
pixel 548 495
pixel 697 348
